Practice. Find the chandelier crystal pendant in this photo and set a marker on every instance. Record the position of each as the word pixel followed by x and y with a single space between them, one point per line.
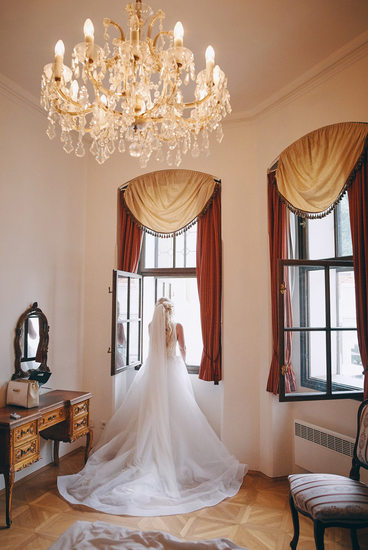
pixel 130 93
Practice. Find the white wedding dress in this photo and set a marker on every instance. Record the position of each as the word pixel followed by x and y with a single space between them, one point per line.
pixel 158 455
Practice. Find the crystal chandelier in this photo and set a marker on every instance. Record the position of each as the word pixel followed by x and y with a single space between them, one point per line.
pixel 129 94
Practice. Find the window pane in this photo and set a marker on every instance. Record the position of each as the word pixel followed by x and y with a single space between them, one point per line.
pixel 180 250
pixel 344 244
pixel 134 298
pixel 165 252
pixel 342 288
pixel 347 366
pixel 321 238
pixel 149 250
pixel 122 297
pixel 134 342
pixel 191 246
pixel 308 358
pixel 121 344
pixel 306 286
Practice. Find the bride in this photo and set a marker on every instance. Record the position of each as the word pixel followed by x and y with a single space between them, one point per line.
pixel 158 455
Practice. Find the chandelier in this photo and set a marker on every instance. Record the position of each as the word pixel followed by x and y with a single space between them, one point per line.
pixel 129 95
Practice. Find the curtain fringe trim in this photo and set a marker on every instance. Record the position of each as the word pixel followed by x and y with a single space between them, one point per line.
pixel 178 231
pixel 349 181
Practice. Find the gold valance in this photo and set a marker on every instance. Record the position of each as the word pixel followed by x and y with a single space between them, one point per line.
pixel 314 171
pixel 168 201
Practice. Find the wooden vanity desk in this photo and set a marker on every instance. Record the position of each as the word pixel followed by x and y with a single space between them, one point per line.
pixel 62 415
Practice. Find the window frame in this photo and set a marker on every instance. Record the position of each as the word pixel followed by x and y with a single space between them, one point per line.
pixel 307 381
pixel 311 383
pixel 116 369
pixel 167 273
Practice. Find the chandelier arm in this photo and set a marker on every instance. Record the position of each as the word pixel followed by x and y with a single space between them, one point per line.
pixel 197 102
pixel 84 111
pixel 158 14
pixel 98 86
pixel 161 33
pixel 107 22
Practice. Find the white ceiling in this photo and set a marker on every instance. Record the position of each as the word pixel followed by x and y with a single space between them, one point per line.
pixel 262 45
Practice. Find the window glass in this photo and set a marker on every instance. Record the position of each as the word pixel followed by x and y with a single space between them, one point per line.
pixel 307 347
pixel 134 354
pixel 307 292
pixel 149 251
pixel 180 242
pixel 191 246
pixel 345 360
pixel 344 243
pixel 342 285
pixel 165 252
pixel 134 298
pixel 122 297
pixel 321 238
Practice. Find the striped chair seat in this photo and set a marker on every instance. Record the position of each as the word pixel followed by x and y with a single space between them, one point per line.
pixel 330 498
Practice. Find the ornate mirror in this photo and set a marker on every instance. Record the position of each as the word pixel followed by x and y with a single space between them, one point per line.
pixel 31 343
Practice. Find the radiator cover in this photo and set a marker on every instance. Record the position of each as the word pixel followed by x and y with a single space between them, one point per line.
pixel 320 450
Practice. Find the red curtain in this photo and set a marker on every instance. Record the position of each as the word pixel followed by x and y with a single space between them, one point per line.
pixel 277 229
pixel 129 240
pixel 358 205
pixel 209 289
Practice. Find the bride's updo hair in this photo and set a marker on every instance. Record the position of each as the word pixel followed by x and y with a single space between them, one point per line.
pixel 169 325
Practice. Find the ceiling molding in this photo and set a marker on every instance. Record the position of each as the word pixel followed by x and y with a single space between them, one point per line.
pixel 17 94
pixel 347 55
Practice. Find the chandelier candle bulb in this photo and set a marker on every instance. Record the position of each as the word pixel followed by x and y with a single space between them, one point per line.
pixel 89 33
pixel 134 31
pixel 59 56
pixel 210 62
pixel 178 35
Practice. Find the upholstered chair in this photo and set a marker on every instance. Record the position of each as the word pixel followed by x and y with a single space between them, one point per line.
pixel 332 500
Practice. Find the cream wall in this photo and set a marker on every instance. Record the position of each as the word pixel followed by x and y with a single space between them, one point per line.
pixel 42 198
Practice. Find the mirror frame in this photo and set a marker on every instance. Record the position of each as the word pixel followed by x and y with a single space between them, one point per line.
pixel 33 311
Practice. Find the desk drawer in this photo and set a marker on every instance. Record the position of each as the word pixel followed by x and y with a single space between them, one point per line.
pixel 26 453
pixel 25 432
pixel 80 409
pixel 52 417
pixel 80 425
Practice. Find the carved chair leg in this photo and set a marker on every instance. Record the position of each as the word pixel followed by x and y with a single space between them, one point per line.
pixel 354 539
pixel 56 452
pixel 294 515
pixel 319 533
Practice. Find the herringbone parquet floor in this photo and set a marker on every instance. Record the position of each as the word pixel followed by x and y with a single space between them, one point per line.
pixel 257 518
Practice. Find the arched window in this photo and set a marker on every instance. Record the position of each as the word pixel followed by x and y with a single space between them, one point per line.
pixel 170 233
pixel 319 268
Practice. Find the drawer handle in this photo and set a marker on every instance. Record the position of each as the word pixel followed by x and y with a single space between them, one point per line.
pixel 16 391
pixel 51 418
